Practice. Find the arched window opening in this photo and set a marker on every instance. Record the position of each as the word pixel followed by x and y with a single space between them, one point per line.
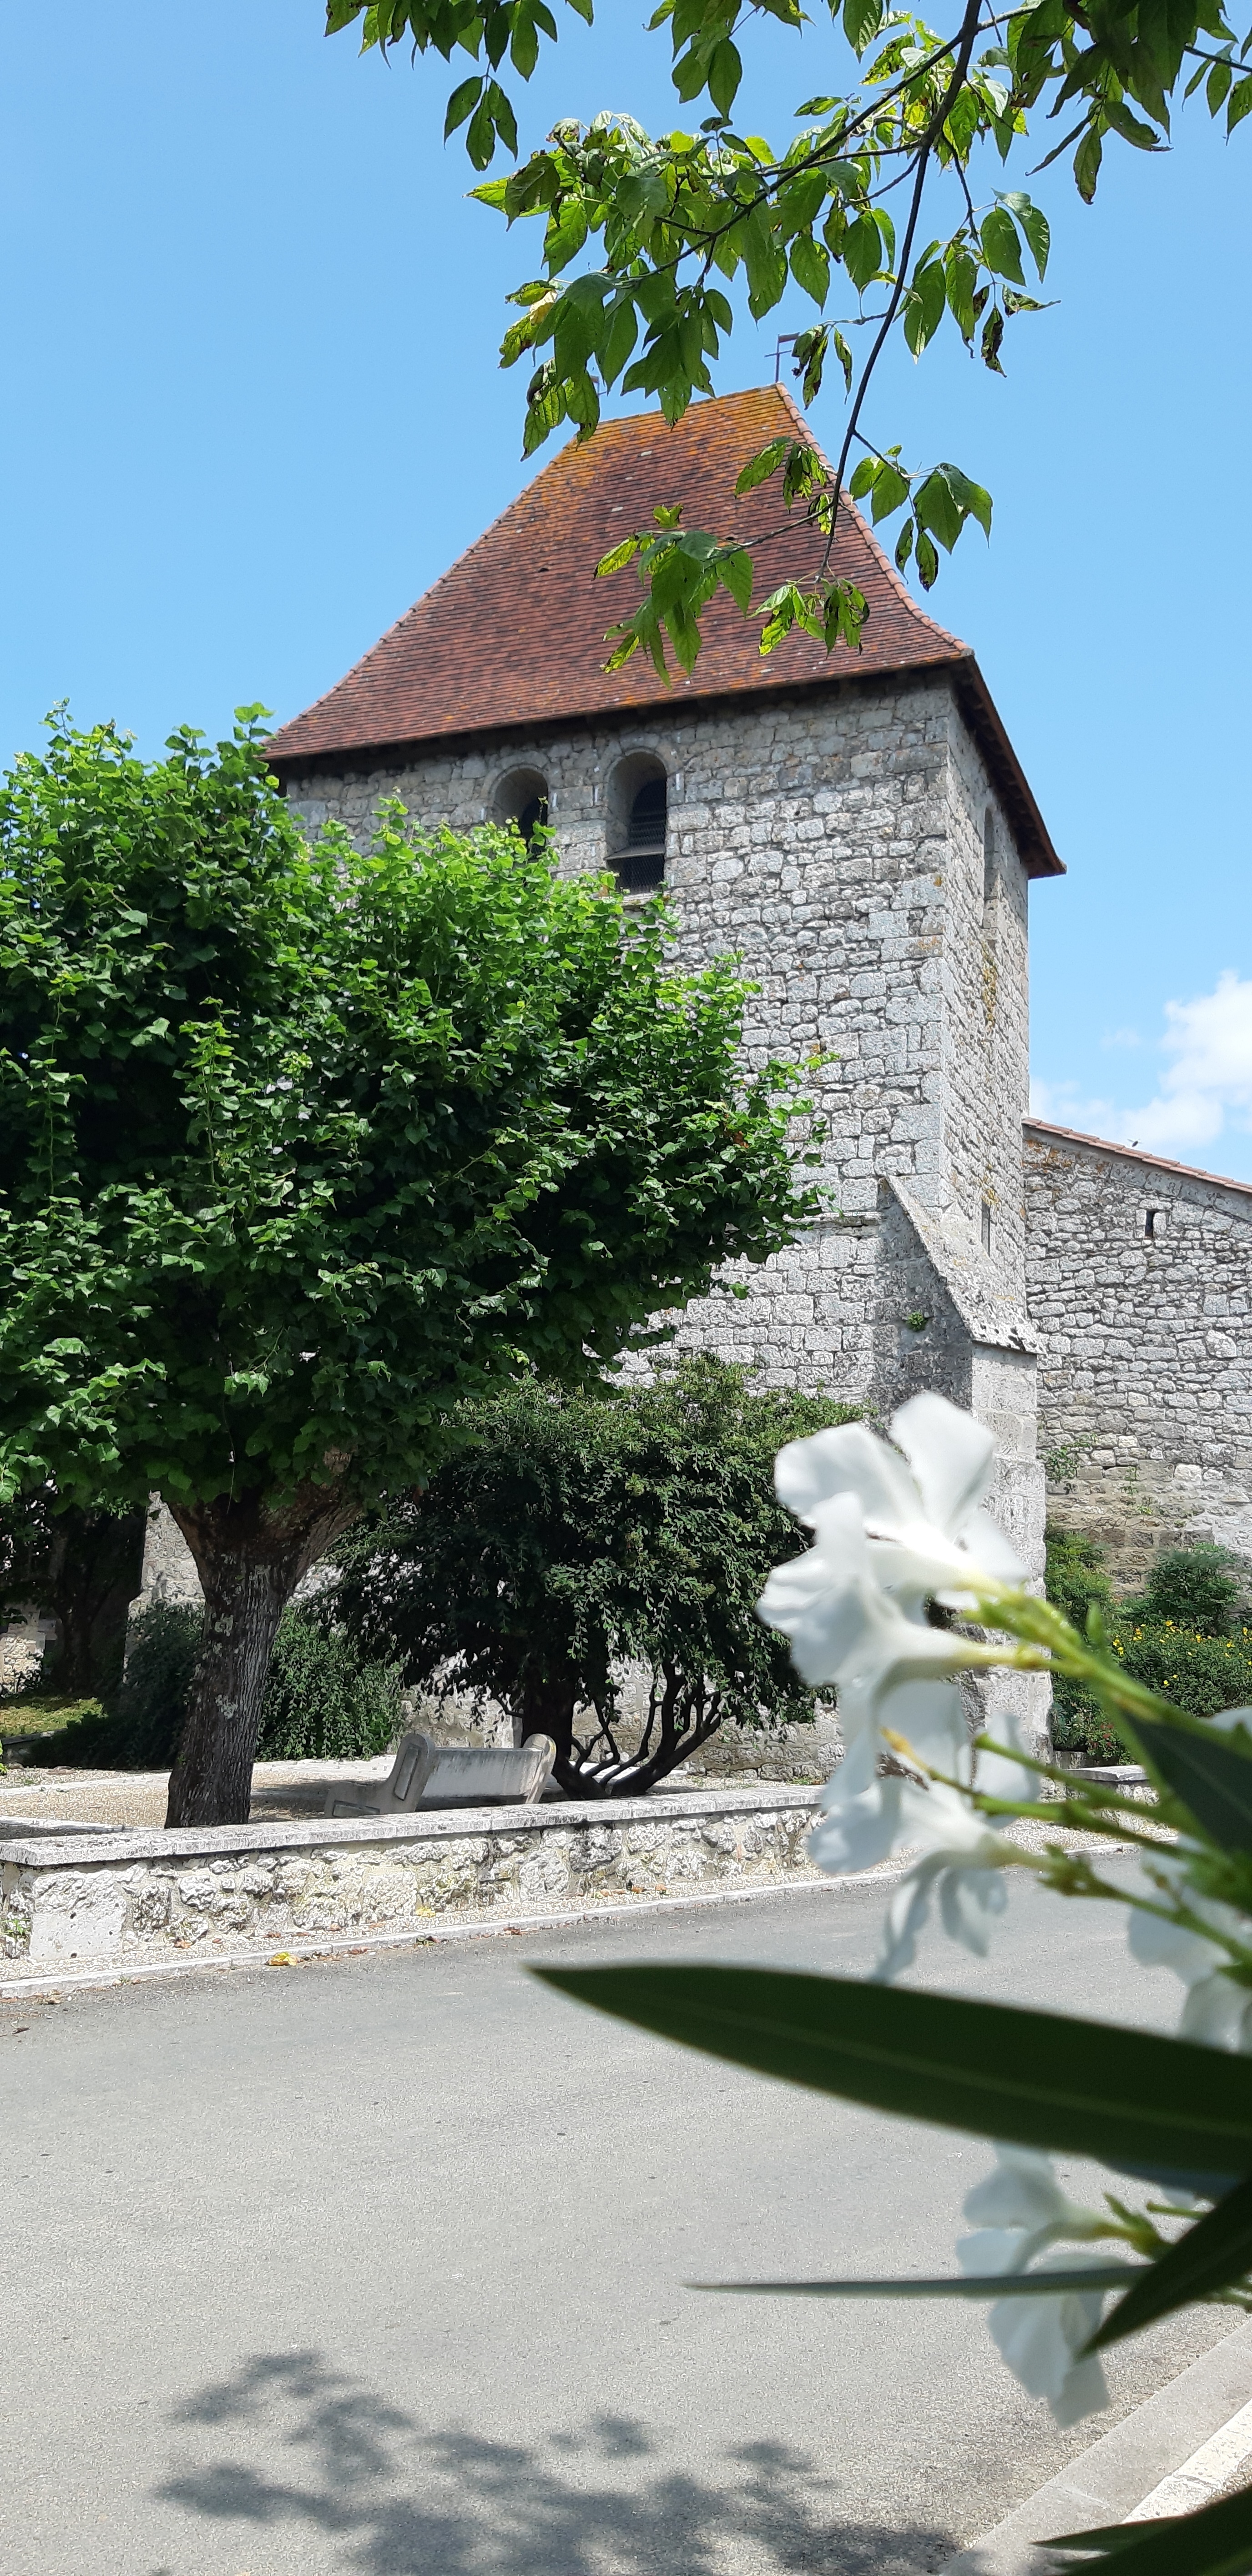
pixel 638 823
pixel 522 799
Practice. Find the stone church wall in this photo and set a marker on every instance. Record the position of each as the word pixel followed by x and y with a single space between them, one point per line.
pixel 836 840
pixel 1145 1378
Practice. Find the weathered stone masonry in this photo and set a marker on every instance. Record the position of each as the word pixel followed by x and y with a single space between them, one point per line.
pixel 1141 1287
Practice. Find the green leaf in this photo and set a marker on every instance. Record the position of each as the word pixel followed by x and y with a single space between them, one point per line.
pixel 992 335
pixel 938 508
pixel 1034 2079
pixel 904 545
pixel 1211 2256
pixel 969 497
pixel 1088 157
pixel 618 556
pixel 960 281
pixel 890 489
pixel 927 560
pixel 725 74
pixel 923 305
pixel 766 264
pixel 1209 1772
pixel 1216 2541
pixel 1034 224
pixel 862 251
pixel 1000 247
pixel 461 104
pixel 735 573
pixel 861 22
pixel 1240 103
pixel 765 462
pixel 864 477
pixel 810 267
pixel 968 2285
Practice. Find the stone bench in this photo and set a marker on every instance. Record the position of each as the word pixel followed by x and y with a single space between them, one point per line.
pixel 426 1775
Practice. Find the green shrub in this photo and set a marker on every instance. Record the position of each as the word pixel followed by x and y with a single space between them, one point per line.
pixel 1199 1588
pixel 321 1701
pixel 1201 1667
pixel 1075 1576
pixel 573 1535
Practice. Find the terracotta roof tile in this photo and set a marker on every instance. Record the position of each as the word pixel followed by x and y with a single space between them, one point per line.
pixel 513 635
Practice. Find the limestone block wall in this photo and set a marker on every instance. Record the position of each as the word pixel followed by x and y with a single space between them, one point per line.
pixel 127 1900
pixel 1145 1373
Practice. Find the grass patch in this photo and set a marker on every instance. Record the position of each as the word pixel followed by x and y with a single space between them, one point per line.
pixel 43 1712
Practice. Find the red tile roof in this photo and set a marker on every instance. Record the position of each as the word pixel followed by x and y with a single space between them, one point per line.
pixel 513 635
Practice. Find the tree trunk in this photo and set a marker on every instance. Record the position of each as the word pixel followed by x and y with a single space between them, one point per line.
pixel 249 1558
pixel 95 1570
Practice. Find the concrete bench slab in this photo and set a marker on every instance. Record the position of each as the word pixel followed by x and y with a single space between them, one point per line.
pixel 426 1775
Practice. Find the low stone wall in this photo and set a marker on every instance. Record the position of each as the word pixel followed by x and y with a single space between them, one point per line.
pixel 76 1901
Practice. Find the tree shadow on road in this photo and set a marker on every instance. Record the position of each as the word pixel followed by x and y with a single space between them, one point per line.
pixel 386 2495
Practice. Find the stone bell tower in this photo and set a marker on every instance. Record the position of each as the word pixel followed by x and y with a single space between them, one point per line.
pixel 856 827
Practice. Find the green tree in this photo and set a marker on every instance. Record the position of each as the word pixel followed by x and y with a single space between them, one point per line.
pixel 892 208
pixel 572 1533
pixel 83 1566
pixel 300 1147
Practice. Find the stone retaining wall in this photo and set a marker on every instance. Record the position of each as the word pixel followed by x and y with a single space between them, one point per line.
pixel 75 1902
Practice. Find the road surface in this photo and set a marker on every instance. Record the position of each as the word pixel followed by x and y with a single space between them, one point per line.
pixel 375 2267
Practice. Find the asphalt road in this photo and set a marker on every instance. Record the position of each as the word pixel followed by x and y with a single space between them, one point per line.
pixel 374 2268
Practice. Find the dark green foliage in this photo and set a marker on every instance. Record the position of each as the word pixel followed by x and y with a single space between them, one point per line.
pixel 293 1139
pixel 1193 1587
pixel 300 1147
pixel 320 1701
pixel 574 1532
pixel 84 1568
pixel 1201 1674
pixel 1199 1661
pixel 1075 1576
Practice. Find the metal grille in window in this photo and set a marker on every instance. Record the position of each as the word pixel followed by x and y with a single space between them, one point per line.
pixel 641 865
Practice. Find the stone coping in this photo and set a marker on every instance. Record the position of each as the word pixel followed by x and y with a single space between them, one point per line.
pixel 67 1842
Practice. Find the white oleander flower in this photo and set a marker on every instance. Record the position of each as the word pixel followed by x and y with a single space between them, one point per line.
pixel 928 1537
pixel 962 1858
pixel 1217 2011
pixel 1024 2212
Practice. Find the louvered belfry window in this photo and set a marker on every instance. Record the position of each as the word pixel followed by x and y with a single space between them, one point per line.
pixel 641 865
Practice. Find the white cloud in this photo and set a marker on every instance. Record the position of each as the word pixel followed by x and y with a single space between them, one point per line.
pixel 1204 1088
pixel 1121 1038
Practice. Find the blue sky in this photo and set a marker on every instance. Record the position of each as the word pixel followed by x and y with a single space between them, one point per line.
pixel 253 408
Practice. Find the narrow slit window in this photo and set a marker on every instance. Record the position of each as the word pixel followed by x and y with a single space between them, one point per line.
pixel 1154 1224
pixel 988 857
pixel 986 1225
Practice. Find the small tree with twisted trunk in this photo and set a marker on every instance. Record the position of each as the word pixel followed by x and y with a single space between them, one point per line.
pixel 575 1534
pixel 300 1147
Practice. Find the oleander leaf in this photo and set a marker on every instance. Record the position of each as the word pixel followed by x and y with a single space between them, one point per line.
pixel 1211 2256
pixel 971 2285
pixel 1210 1772
pixel 1216 2541
pixel 1034 2079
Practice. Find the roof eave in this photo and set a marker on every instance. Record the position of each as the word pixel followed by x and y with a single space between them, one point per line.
pixel 1034 841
